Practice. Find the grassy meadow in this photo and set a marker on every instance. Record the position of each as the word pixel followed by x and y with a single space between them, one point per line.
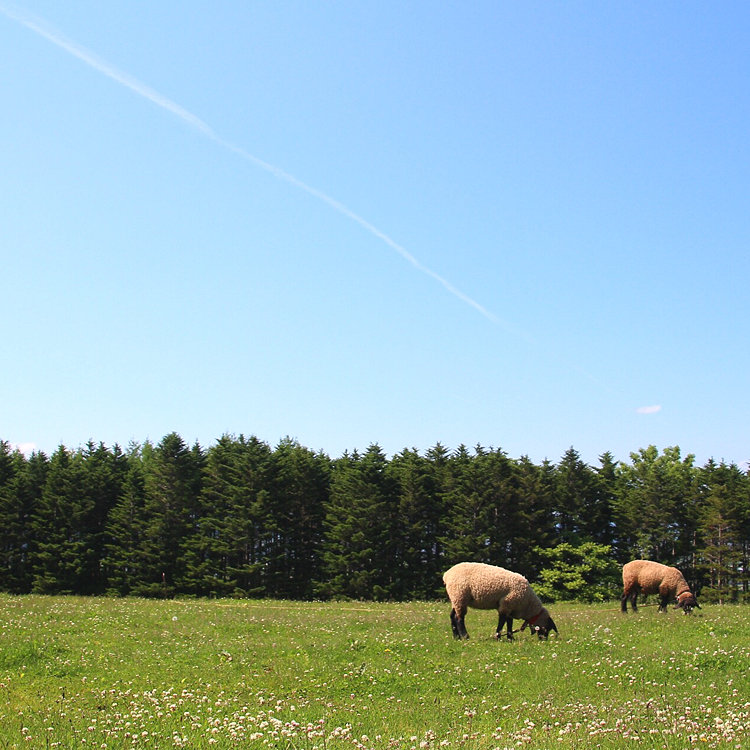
pixel 122 673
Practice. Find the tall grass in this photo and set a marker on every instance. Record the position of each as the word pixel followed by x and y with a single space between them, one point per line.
pixel 122 673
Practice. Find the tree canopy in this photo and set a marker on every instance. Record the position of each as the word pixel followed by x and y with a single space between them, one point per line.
pixel 242 518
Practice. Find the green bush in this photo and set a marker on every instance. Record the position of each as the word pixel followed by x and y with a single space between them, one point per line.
pixel 586 573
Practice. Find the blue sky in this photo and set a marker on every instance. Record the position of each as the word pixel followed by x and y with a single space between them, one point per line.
pixel 520 225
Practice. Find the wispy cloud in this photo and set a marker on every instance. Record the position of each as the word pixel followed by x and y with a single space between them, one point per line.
pixel 648 409
pixel 26 448
pixel 43 29
pixel 52 35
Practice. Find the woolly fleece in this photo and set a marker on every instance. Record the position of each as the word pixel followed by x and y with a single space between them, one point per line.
pixel 653 578
pixel 482 586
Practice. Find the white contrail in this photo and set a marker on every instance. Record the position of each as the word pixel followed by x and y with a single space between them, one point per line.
pixel 44 30
pixel 40 27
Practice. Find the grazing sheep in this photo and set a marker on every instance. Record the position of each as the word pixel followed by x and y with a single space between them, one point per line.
pixel 482 586
pixel 651 578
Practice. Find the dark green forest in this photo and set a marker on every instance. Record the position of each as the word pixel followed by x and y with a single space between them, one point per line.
pixel 243 519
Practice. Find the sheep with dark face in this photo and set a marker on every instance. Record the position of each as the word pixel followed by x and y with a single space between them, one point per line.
pixel 648 577
pixel 482 586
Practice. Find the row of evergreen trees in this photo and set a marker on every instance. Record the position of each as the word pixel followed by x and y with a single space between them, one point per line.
pixel 244 519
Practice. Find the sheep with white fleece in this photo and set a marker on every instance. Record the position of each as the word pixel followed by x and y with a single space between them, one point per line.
pixel 482 586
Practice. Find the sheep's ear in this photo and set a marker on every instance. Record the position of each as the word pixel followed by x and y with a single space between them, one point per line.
pixel 552 626
pixel 695 604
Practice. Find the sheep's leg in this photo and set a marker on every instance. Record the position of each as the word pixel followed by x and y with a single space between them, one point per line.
pixel 663 603
pixel 458 624
pixel 509 621
pixel 454 624
pixel 629 593
pixel 462 626
pixel 500 622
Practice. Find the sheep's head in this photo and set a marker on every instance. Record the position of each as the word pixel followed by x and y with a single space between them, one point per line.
pixel 542 624
pixel 686 601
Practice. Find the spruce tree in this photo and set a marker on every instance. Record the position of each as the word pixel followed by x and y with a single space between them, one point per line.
pixel 720 543
pixel 535 504
pixel 417 556
pixel 298 490
pixel 172 483
pixel 495 488
pixel 227 552
pixel 469 532
pixel 247 522
pixel 359 528
pixel 598 523
pixel 102 475
pixel 58 550
pixel 575 495
pixel 21 482
pixel 124 562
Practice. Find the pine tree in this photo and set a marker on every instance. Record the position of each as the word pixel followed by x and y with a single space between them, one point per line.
pixel 469 531
pixel 418 553
pixel 599 522
pixel 21 483
pixel 575 497
pixel 535 499
pixel 496 485
pixel 8 469
pixel 60 539
pixel 299 488
pixel 123 562
pixel 172 483
pixel 720 544
pixel 10 538
pixel 439 458
pixel 248 514
pixel 102 475
pixel 206 551
pixel 359 528
pixel 227 553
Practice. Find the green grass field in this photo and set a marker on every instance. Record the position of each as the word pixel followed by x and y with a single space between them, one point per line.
pixel 117 673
